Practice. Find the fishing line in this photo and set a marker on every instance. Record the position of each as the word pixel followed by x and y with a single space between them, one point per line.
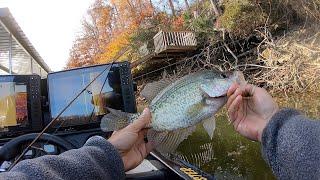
pixel 64 109
pixel 55 132
pixel 94 107
pixel 55 119
pixel 64 120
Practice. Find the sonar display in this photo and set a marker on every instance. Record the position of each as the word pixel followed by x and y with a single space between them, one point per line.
pixel 13 104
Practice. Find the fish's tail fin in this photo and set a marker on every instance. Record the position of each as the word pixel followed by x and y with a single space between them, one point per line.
pixel 115 120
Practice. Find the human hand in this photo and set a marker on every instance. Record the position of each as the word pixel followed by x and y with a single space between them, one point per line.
pixel 250 108
pixel 130 143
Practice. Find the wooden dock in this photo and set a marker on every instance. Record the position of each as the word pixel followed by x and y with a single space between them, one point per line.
pixel 178 41
pixel 167 45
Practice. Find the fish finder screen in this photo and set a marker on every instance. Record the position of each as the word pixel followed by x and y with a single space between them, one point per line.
pixel 13 105
pixel 92 104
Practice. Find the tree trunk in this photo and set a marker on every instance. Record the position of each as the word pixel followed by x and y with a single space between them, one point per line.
pixel 172 8
pixel 187 4
pixel 153 9
pixel 215 8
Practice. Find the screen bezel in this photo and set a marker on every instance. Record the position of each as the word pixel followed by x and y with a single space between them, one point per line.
pixel 126 103
pixel 33 124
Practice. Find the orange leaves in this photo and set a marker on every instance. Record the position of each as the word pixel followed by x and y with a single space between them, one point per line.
pixel 114 47
pixel 107 29
pixel 178 23
pixel 132 11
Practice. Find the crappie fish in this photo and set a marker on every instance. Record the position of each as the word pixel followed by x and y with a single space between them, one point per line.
pixel 177 107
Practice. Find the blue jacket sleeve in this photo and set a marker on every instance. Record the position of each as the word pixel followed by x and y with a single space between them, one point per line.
pixel 97 159
pixel 291 145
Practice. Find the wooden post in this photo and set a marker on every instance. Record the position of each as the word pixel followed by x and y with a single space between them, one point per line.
pixel 10 54
pixel 31 64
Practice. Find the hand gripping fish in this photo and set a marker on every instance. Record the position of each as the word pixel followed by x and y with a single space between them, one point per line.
pixel 177 107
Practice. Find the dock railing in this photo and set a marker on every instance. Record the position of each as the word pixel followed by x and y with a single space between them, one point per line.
pixel 174 41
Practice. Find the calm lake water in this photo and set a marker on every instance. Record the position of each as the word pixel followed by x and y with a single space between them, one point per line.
pixel 230 156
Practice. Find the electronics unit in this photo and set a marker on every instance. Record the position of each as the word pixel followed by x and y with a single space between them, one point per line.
pixel 112 89
pixel 20 104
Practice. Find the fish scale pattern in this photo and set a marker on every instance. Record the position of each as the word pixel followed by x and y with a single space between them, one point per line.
pixel 182 104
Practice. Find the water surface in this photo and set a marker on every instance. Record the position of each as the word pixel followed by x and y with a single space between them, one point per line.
pixel 230 156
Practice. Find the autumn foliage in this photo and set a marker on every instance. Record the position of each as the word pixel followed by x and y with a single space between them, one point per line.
pixel 116 29
pixel 107 29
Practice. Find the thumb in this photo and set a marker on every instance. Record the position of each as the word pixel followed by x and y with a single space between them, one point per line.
pixel 142 122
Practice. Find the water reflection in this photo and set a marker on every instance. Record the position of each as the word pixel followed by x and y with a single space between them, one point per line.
pixel 230 156
pixel 308 103
pixel 203 156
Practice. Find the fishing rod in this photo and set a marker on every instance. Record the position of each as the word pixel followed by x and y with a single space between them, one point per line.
pixel 55 119
pixel 69 104
pixel 91 114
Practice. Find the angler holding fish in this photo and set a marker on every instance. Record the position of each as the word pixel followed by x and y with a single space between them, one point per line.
pixel 290 142
pixel 177 107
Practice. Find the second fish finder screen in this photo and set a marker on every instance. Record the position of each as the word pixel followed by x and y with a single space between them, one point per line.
pixel 92 104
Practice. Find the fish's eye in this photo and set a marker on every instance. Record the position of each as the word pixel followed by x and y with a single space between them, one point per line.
pixel 222 75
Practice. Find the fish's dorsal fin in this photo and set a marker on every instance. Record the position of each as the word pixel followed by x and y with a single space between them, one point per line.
pixel 209 125
pixel 190 78
pixel 167 142
pixel 151 90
